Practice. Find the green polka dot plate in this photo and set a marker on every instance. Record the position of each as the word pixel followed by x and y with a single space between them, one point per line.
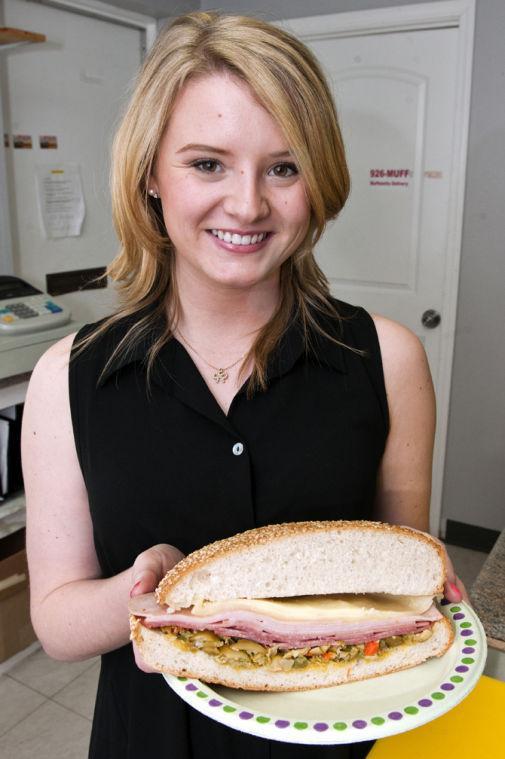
pixel 358 711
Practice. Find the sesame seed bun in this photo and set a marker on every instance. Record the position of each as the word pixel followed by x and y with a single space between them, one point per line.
pixel 308 558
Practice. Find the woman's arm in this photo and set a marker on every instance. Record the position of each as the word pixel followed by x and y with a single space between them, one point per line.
pixel 404 480
pixel 404 483
pixel 75 614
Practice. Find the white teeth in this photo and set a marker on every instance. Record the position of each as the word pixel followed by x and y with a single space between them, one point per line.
pixel 237 239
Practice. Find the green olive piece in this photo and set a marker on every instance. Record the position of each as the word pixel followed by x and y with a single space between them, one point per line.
pixel 227 652
pixel 394 640
pixel 250 646
pixel 204 637
pixel 300 662
pixel 280 664
pixel 318 650
pixel 294 652
pixel 185 634
pixel 260 659
pixel 211 650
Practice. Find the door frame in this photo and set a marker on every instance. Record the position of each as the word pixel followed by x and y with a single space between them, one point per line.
pixel 458 14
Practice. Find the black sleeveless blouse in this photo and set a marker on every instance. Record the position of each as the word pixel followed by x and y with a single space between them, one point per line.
pixel 167 465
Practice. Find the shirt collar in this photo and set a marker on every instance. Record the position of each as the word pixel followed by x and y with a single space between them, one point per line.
pixel 135 353
pixel 321 349
pixel 171 357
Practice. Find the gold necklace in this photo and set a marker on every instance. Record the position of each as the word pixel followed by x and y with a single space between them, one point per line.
pixel 220 372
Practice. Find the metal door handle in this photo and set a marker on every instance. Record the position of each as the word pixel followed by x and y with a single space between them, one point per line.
pixel 431 318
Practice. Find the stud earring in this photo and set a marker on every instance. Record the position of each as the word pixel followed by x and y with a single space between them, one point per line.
pixel 153 194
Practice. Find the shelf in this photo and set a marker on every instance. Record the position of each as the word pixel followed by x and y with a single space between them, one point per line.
pixel 17 36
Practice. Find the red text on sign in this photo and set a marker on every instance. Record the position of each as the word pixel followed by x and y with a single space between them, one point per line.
pixel 391 173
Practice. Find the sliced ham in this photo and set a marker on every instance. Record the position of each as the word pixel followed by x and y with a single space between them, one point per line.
pixel 273 632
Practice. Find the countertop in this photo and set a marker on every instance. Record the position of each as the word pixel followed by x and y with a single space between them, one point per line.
pixel 488 595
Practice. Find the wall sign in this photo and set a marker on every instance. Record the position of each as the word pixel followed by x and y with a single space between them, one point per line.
pixel 390 177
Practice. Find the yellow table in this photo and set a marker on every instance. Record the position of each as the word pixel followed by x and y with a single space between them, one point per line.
pixel 475 729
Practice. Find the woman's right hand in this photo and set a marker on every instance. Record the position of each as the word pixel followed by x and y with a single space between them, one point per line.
pixel 148 569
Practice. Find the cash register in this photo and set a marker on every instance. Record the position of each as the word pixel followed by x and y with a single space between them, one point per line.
pixel 24 309
pixel 30 322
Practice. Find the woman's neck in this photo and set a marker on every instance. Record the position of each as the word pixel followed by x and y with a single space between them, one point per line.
pixel 218 326
pixel 216 315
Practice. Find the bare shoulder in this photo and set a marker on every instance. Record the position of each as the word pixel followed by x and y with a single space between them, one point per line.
pixel 395 338
pixel 56 357
pixel 401 349
pixel 404 361
pixel 51 370
pixel 47 396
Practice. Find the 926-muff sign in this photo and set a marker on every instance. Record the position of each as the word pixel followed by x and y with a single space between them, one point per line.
pixel 390 177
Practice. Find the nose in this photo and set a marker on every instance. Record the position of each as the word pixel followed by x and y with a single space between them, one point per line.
pixel 246 199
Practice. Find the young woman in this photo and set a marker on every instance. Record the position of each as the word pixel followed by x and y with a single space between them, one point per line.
pixel 229 390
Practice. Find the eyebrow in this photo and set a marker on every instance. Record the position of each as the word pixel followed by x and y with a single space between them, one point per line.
pixel 220 151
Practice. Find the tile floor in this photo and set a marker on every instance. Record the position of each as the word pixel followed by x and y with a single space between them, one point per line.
pixel 47 706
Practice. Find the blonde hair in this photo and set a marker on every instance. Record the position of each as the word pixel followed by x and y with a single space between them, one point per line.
pixel 287 80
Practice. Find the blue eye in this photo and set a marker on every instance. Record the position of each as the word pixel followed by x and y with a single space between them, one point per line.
pixel 206 165
pixel 284 170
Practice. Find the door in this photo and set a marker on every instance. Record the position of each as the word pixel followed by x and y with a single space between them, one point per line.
pixel 395 95
pixel 402 96
pixel 73 87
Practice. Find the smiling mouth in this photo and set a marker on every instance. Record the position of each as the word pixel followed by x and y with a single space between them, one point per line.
pixel 237 239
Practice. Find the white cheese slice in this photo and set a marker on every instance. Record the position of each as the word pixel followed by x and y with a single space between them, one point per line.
pixel 322 608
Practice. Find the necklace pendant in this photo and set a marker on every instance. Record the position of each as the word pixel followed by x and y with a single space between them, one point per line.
pixel 221 375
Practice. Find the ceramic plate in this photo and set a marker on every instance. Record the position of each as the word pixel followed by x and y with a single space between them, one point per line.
pixel 358 711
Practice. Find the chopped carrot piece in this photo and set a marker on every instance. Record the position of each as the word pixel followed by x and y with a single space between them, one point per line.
pixel 371 648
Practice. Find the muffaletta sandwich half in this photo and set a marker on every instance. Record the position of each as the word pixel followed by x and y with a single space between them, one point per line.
pixel 297 606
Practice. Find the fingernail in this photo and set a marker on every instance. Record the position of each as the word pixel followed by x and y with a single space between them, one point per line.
pixel 454 589
pixel 135 588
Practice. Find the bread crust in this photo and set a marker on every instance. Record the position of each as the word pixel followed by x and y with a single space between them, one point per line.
pixel 164 656
pixel 271 534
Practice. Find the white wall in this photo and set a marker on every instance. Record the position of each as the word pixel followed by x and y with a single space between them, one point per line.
pixel 73 86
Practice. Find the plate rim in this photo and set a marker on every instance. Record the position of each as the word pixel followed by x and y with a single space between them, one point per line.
pixel 207 701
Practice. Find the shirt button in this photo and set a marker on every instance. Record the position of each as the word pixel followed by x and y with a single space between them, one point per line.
pixel 237 449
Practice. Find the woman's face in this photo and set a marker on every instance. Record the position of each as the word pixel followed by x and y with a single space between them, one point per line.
pixel 233 202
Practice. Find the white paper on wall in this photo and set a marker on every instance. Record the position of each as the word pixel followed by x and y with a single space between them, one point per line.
pixel 61 200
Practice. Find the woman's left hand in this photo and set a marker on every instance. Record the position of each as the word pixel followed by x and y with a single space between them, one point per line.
pixel 454 589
